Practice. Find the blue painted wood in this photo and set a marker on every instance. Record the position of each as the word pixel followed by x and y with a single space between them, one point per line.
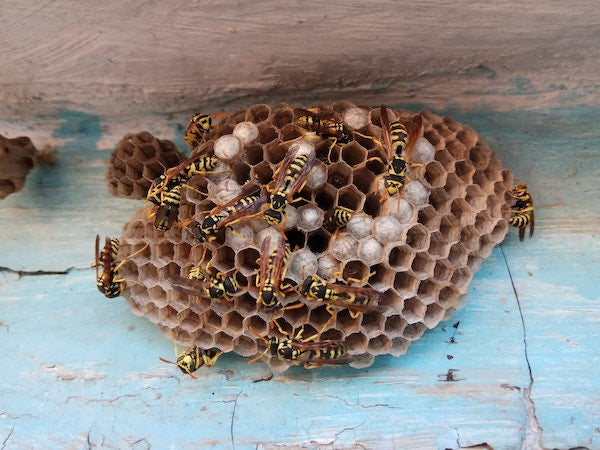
pixel 79 370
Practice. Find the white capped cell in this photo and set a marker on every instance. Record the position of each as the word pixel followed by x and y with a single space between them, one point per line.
pixel 343 247
pixel 303 263
pixel 356 117
pixel 423 152
pixel 416 193
pixel 317 177
pixel 328 266
pixel 386 229
pixel 400 209
pixel 370 251
pixel 310 218
pixel 359 225
pixel 227 147
pixel 245 132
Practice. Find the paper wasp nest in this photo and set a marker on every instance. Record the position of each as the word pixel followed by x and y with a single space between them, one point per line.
pixel 422 247
pixel 17 157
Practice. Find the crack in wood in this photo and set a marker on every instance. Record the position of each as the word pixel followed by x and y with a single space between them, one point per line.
pixel 35 273
pixel 533 434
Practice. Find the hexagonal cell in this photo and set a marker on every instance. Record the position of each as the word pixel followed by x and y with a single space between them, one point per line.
pixel 262 173
pixel 448 296
pixel 223 341
pixel 356 342
pixel 399 346
pixel 443 270
pixel 318 317
pixel 310 218
pixel 433 315
pixel 461 278
pixel 499 232
pixel 344 247
pixel 379 344
pixel 440 200
pixel 355 270
pixel 429 218
pixel 423 265
pixel 232 321
pixel 387 229
pixel 435 174
pixel 282 116
pixel 456 149
pixel 372 205
pixel 446 160
pixel 372 323
pixel 399 257
pixel 370 251
pixel 224 259
pixel 406 283
pixel 462 211
pixel 465 170
pixel 363 179
pixel 344 321
pixel 244 305
pixel 290 132
pixel 245 346
pixel 394 325
pixel 258 113
pixel 483 222
pixel 318 241
pixel 469 237
pixel 417 238
pixel 350 198
pixel 268 134
pixel 414 310
pixel 354 153
pixel 414 331
pixel 325 198
pixel 438 247
pixel 339 174
pixel 254 154
pixel 480 157
pixel 297 317
pixel 458 255
pixel 245 261
pixel 257 324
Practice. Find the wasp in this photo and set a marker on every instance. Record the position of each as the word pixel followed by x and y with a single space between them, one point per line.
pixel 523 209
pixel 229 214
pixel 397 140
pixel 168 210
pixel 305 351
pixel 324 124
pixel 356 299
pixel 192 358
pixel 107 281
pixel 290 178
pixel 338 218
pixel 202 284
pixel 200 125
pixel 271 274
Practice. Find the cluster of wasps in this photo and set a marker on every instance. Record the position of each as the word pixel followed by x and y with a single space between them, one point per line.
pixel 269 203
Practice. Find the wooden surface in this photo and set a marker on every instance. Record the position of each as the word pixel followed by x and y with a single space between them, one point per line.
pixel 518 366
pixel 140 55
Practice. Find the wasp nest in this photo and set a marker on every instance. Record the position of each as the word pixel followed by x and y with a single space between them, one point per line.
pixel 420 248
pixel 137 161
pixel 17 157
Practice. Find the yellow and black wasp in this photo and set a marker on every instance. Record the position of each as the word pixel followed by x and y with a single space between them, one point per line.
pixel 192 358
pixel 271 274
pixel 523 209
pixel 228 214
pixel 107 281
pixel 399 144
pixel 337 218
pixel 290 178
pixel 167 211
pixel 199 127
pixel 202 284
pixel 356 299
pixel 324 123
pixel 307 351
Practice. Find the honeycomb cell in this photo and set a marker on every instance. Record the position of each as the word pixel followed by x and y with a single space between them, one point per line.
pixel 433 315
pixel 414 331
pixel 416 193
pixel 434 138
pixel 370 251
pixel 379 345
pixel 339 175
pixel 399 346
pixel 356 342
pixel 443 270
pixel 254 154
pixel 343 248
pixel 469 236
pixel 465 170
pixel 363 179
pixel 406 283
pixel 448 296
pixel 354 154
pixel 462 211
pixel 350 197
pixel 345 321
pixel 428 291
pixel 372 323
pixel 400 257
pixel 319 316
pixel 414 310
pixel 417 237
pixel 318 241
pixel 394 325
pixel 310 218
pixel 423 265
pixel 372 205
pixel 356 117
pixel 355 270
pixel 325 198
pixel 258 113
pixel 245 261
pixel 360 226
pixel 387 229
